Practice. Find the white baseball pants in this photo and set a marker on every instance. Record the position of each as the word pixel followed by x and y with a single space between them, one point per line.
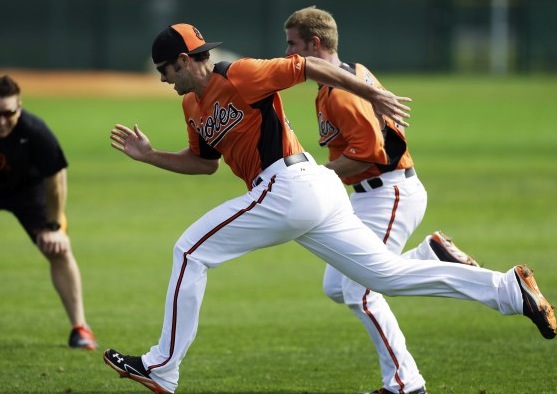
pixel 306 203
pixel 393 211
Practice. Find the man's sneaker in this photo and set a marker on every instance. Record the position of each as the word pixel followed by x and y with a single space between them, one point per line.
pixel 81 337
pixel 535 305
pixel 131 367
pixel 446 250
pixel 421 390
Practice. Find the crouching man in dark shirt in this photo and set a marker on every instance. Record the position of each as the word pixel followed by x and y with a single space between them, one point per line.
pixel 33 187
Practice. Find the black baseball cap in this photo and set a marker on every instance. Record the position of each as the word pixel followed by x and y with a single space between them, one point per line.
pixel 179 38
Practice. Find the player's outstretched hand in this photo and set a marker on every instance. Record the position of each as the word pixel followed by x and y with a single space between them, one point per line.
pixel 389 104
pixel 133 143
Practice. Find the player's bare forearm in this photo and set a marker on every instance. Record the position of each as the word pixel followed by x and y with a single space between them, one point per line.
pixel 384 102
pixel 136 145
pixel 344 166
pixel 182 162
pixel 55 193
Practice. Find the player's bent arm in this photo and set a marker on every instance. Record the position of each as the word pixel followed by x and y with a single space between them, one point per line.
pixel 56 191
pixel 183 162
pixel 135 144
pixel 345 167
pixel 54 240
pixel 384 102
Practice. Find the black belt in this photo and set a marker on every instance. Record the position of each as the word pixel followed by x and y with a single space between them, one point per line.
pixel 288 161
pixel 375 183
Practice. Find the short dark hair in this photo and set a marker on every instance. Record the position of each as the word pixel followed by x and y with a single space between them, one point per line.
pixel 199 57
pixel 8 86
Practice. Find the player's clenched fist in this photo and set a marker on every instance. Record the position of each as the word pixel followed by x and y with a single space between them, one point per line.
pixel 133 143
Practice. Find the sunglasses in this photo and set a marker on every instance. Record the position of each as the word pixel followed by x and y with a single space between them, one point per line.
pixel 8 113
pixel 162 68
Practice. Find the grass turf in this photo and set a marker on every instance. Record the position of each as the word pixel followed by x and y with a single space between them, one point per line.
pixel 484 148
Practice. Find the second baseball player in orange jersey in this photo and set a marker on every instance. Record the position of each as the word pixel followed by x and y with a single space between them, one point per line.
pixel 290 198
pixel 348 127
pixel 369 152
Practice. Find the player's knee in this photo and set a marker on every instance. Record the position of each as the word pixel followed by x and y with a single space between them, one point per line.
pixel 334 292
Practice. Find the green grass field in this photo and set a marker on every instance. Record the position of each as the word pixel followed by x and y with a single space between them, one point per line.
pixel 484 147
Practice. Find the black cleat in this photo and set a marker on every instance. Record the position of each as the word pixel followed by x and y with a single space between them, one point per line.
pixel 536 306
pixel 446 250
pixel 132 367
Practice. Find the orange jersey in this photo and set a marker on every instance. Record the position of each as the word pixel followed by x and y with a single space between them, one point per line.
pixel 348 126
pixel 240 116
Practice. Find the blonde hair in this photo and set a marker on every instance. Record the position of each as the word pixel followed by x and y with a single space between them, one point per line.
pixel 311 22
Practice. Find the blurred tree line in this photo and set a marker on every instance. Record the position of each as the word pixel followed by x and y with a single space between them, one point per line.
pixel 481 36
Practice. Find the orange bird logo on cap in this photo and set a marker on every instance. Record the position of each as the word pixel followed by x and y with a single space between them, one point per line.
pixel 198 33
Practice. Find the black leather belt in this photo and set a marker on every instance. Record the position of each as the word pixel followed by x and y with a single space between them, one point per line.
pixel 288 161
pixel 375 183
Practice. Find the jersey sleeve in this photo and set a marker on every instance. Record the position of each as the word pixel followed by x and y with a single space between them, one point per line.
pixel 46 152
pixel 359 126
pixel 198 146
pixel 260 78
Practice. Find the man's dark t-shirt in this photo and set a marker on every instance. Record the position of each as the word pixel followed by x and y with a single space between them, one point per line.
pixel 28 154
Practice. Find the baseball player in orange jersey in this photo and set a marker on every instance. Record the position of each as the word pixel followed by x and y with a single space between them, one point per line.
pixel 234 111
pixel 389 199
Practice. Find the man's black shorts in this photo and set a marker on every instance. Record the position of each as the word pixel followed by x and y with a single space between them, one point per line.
pixel 29 207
